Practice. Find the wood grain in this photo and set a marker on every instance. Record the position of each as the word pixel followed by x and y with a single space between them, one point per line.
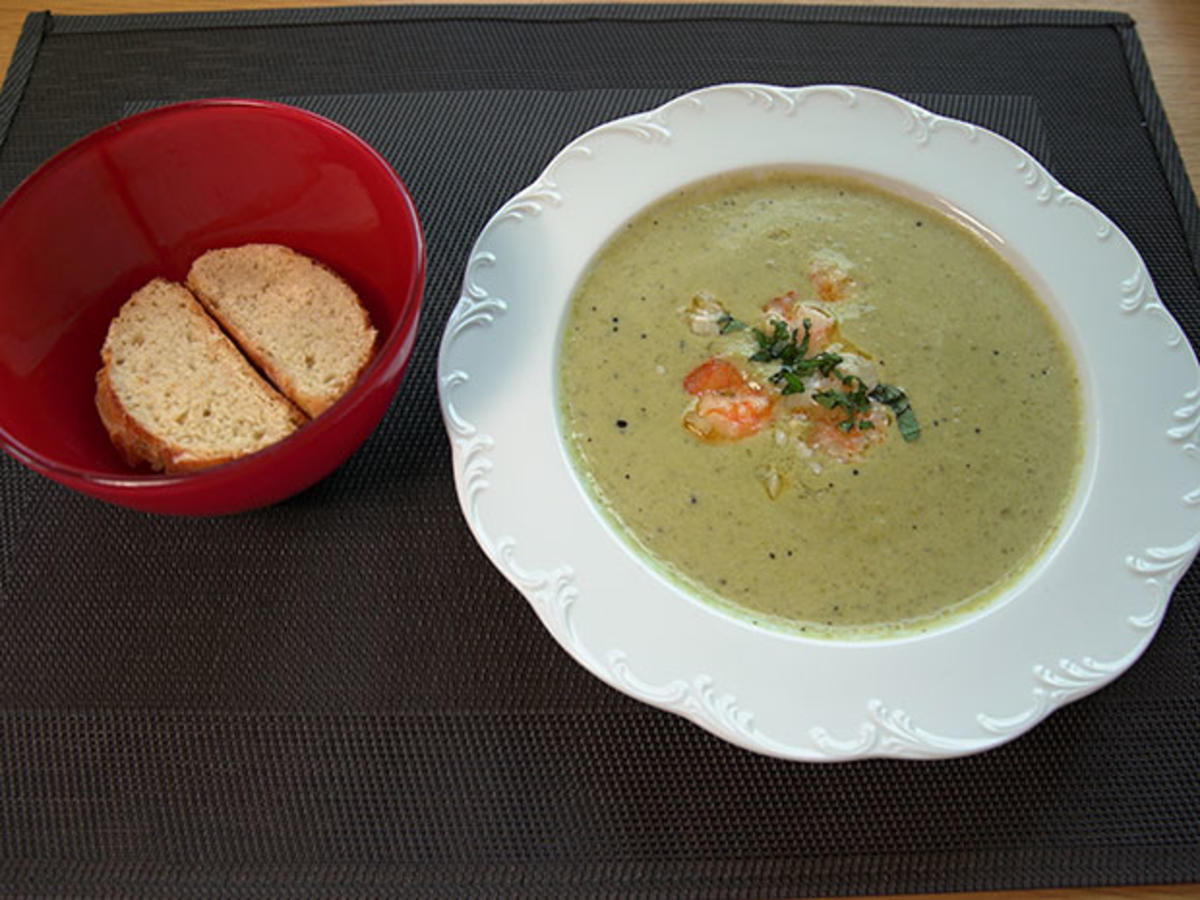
pixel 1170 32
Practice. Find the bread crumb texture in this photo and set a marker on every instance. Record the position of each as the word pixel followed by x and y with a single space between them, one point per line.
pixel 176 393
pixel 299 322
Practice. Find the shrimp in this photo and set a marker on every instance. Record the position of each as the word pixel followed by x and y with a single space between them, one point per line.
pixel 830 281
pixel 825 420
pixel 850 445
pixel 821 325
pixel 727 407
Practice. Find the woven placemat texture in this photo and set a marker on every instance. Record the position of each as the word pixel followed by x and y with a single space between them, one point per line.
pixel 339 696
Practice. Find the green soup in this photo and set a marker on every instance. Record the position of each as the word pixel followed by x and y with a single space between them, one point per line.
pixel 895 538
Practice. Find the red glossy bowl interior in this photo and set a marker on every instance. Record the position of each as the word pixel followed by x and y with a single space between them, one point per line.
pixel 144 197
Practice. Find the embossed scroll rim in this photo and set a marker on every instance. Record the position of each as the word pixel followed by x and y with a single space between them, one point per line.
pixel 884 730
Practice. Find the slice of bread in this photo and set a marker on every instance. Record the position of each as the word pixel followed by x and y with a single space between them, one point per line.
pixel 298 322
pixel 174 392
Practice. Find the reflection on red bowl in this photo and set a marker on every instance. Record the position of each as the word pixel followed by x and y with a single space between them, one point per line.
pixel 145 196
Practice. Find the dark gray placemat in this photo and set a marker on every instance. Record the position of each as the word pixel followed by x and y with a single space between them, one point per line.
pixel 338 695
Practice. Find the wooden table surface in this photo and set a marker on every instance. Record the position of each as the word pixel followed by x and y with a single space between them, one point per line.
pixel 1170 32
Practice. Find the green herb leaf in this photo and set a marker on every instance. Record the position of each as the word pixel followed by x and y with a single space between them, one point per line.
pixel 886 393
pixel 826 362
pixel 802 346
pixel 910 429
pixel 727 323
pixel 794 384
pixel 855 402
pixel 906 419
pixel 772 346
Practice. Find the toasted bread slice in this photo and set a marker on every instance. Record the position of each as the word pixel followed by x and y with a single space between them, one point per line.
pixel 298 322
pixel 174 392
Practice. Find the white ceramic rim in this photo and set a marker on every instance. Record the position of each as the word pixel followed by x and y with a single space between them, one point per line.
pixel 1079 619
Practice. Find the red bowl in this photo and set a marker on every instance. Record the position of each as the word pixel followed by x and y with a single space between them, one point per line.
pixel 145 196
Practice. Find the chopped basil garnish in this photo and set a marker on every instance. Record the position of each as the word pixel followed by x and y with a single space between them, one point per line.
pixel 790 380
pixel 780 343
pixel 790 349
pixel 906 419
pixel 856 402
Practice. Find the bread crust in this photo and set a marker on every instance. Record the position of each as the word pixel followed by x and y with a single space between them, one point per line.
pixel 138 446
